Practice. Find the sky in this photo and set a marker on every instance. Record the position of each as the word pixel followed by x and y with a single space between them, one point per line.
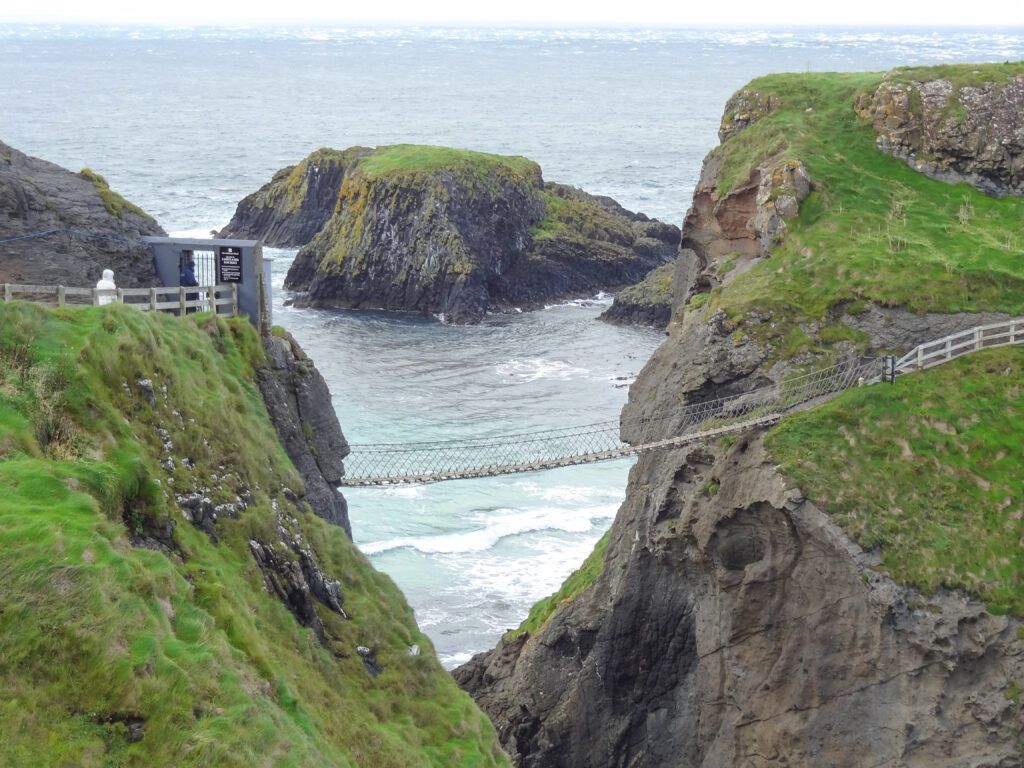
pixel 874 13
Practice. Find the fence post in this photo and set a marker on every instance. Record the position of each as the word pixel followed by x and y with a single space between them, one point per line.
pixel 181 300
pixel 892 369
pixel 211 296
pixel 234 299
pixel 152 299
pixel 95 297
pixel 120 295
pixel 60 295
pixel 7 291
pixel 977 339
pixel 920 356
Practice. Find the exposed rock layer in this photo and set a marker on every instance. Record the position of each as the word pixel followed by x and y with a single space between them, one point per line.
pixel 743 628
pixel 38 196
pixel 462 237
pixel 299 405
pixel 971 133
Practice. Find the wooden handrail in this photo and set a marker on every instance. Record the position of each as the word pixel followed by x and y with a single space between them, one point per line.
pixel 221 299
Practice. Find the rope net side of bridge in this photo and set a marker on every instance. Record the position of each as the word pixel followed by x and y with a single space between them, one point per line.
pixel 419 462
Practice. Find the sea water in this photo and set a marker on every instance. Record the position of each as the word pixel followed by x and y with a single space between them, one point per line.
pixel 186 121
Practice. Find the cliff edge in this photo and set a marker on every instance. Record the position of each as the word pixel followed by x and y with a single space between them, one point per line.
pixel 842 589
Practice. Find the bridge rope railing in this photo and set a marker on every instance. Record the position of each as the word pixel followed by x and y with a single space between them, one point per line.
pixel 432 461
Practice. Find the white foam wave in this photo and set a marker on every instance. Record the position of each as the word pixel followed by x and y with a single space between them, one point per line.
pixel 498 525
pixel 535 368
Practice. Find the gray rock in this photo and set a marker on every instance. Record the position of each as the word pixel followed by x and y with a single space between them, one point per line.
pixel 37 196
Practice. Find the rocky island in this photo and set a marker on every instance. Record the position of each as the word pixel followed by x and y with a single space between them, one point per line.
pixel 444 231
pixel 843 588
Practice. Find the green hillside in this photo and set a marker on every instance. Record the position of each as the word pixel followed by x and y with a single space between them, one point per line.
pixel 116 655
pixel 928 471
pixel 872 229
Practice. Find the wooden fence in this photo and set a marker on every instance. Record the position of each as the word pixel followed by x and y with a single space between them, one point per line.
pixel 943 350
pixel 219 299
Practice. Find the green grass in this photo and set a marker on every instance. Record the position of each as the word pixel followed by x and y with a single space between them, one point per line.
pixel 927 471
pixel 95 633
pixel 399 158
pixel 579 219
pixel 577 583
pixel 872 229
pixel 113 202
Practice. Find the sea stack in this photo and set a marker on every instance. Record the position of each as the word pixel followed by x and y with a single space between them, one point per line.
pixel 445 231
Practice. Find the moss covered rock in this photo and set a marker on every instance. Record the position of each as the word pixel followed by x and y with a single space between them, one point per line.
pixel 440 230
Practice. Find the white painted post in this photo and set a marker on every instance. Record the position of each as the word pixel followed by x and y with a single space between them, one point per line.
pixel 977 338
pixel 949 349
pixel 120 296
pixel 920 356
pixel 181 300
pixel 152 299
pixel 212 298
pixel 60 295
pixel 95 297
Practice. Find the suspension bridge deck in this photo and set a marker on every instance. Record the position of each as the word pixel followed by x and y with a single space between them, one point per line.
pixel 431 462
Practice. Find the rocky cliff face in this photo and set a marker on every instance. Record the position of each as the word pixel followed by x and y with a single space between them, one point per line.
pixel 294 205
pixel 299 405
pixel 37 196
pixel 952 131
pixel 433 230
pixel 733 622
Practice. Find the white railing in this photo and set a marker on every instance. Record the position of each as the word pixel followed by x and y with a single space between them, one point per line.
pixel 219 299
pixel 943 350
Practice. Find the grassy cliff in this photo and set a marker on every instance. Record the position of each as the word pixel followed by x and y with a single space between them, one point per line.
pixel 927 472
pixel 116 654
pixel 872 230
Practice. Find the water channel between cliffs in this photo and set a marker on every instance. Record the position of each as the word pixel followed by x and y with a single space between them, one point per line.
pixel 472 556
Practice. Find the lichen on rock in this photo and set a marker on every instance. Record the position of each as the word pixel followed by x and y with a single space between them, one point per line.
pixel 951 131
pixel 451 232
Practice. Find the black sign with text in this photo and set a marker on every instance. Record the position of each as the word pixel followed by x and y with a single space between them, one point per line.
pixel 229 264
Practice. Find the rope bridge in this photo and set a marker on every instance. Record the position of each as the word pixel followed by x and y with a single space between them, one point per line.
pixel 428 462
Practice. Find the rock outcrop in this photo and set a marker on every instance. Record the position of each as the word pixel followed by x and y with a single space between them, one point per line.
pixel 37 196
pixel 299 405
pixel 740 627
pixel 738 226
pixel 734 623
pixel 440 231
pixel 649 302
pixel 952 131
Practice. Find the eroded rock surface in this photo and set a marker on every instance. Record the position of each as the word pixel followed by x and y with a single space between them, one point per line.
pixel 971 133
pixel 299 404
pixel 735 625
pixel 446 232
pixel 38 196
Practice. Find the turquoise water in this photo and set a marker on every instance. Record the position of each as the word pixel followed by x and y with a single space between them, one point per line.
pixel 185 122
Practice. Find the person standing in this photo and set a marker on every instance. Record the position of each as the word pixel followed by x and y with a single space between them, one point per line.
pixel 188 280
pixel 105 285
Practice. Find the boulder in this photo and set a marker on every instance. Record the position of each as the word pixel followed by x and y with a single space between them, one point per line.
pixel 105 230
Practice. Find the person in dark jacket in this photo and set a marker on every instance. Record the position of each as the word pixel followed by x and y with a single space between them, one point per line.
pixel 188 280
